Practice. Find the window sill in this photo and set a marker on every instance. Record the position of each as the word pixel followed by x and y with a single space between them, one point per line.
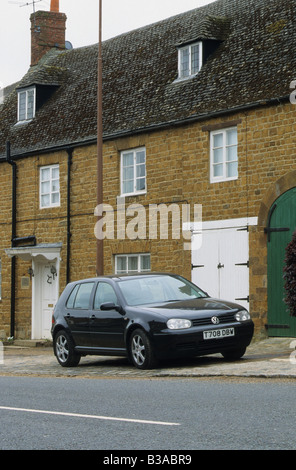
pixel 184 79
pixel 140 193
pixel 22 123
pixel 223 180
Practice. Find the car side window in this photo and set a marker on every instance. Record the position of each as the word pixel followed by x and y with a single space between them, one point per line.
pixel 104 293
pixel 80 296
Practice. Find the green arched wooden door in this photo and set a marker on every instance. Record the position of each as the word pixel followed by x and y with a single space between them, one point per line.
pixel 281 225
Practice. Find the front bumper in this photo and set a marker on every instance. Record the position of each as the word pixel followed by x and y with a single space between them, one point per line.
pixel 182 343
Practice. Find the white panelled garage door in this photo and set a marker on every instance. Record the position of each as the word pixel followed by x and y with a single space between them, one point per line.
pixel 221 265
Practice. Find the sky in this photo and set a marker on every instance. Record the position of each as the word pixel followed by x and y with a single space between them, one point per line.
pixel 119 16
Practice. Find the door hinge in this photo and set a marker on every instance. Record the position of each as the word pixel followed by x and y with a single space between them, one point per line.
pixel 243 264
pixel 283 327
pixel 193 266
pixel 269 230
pixel 220 266
pixel 247 299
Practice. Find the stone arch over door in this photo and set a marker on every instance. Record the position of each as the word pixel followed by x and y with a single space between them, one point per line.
pixel 277 221
pixel 281 186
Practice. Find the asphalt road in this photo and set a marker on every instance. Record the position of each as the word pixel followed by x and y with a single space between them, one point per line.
pixel 146 414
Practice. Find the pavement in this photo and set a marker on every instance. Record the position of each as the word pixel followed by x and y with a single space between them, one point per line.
pixel 273 358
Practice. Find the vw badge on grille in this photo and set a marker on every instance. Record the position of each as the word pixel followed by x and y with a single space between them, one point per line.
pixel 215 320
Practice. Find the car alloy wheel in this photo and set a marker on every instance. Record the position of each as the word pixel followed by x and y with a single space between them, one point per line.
pixel 141 351
pixel 64 350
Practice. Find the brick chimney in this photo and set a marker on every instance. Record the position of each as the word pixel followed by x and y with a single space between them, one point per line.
pixel 48 30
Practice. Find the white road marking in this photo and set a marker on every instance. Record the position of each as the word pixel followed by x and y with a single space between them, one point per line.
pixel 78 415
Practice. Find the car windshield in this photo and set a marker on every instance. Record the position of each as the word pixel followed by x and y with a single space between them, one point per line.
pixel 158 289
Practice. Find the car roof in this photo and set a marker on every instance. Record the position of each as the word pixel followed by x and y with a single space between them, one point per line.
pixel 119 277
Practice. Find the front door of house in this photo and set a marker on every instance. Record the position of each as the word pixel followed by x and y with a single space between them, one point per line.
pixel 45 296
pixel 221 265
pixel 280 228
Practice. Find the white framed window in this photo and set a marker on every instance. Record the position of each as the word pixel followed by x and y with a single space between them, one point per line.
pixel 49 186
pixel 189 60
pixel 26 104
pixel 133 171
pixel 135 263
pixel 223 155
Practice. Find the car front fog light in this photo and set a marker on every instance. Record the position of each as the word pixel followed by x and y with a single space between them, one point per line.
pixel 178 324
pixel 243 315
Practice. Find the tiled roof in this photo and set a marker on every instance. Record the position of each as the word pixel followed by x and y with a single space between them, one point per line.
pixel 253 62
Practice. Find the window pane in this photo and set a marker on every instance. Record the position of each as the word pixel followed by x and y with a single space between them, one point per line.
pixel 218 155
pixel 71 300
pixel 121 266
pixel 232 169
pixel 55 185
pixel 231 154
pixel 55 173
pixel 30 104
pixel 104 293
pixel 45 200
pixel 145 263
pixel 128 159
pixel 22 106
pixel 128 173
pixel 133 264
pixel 218 170
pixel 45 174
pixel 184 62
pixel 140 185
pixel 140 157
pixel 140 170
pixel 83 295
pixel 45 187
pixel 55 198
pixel 218 140
pixel 194 59
pixel 231 137
pixel 128 187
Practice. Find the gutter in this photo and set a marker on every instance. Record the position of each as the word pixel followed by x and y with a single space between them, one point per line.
pixel 13 238
pixel 69 234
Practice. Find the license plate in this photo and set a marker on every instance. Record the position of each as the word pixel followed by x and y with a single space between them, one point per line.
pixel 218 334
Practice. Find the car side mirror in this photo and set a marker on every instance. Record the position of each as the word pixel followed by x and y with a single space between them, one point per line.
pixel 112 306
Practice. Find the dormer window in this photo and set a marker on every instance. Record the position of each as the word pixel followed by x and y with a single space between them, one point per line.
pixel 190 60
pixel 26 104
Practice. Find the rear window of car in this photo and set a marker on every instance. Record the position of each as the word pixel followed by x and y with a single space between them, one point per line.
pixel 80 296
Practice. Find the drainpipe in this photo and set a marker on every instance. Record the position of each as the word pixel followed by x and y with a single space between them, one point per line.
pixel 13 237
pixel 70 154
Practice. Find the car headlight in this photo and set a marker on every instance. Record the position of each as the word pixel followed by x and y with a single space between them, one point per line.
pixel 178 324
pixel 243 315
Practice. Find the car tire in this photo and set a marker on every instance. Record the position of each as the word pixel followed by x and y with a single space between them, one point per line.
pixel 141 351
pixel 233 354
pixel 64 350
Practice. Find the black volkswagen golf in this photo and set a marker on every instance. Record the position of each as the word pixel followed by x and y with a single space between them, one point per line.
pixel 146 317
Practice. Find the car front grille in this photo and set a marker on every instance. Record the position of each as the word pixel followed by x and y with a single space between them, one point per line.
pixel 225 318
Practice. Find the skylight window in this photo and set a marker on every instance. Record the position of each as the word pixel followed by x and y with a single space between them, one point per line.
pixel 190 60
pixel 26 104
